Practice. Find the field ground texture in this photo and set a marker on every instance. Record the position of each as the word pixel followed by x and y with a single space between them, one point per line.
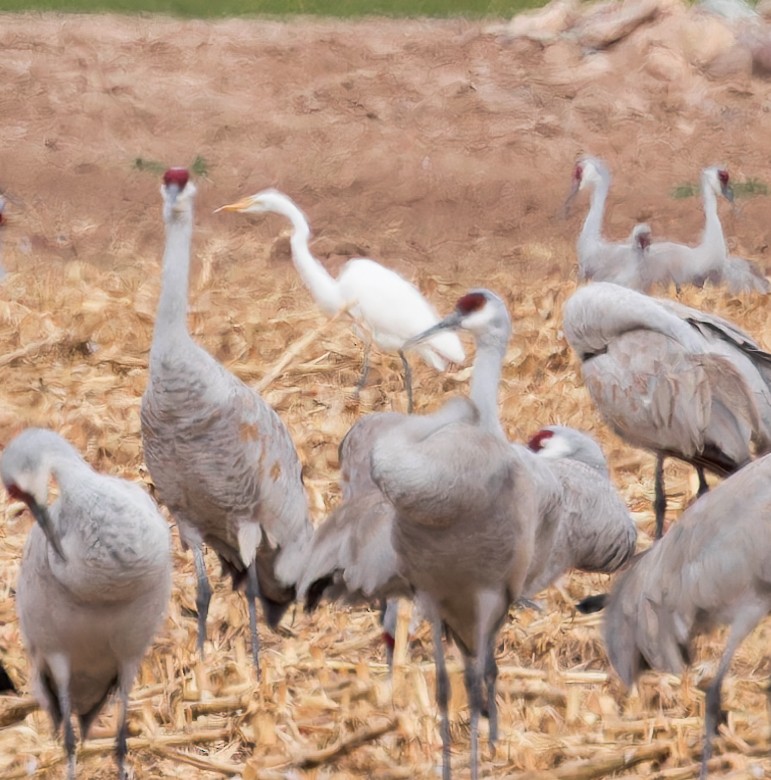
pixel 445 149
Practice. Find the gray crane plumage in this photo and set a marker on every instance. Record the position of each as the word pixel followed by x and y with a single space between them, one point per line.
pixel 221 459
pixel 594 530
pixel 466 514
pixel 671 379
pixel 712 568
pixel 94 583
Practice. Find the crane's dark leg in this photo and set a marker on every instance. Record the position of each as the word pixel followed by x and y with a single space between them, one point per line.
pixel 407 380
pixel 660 498
pixel 491 677
pixel 121 748
pixel 69 733
pixel 203 596
pixel 703 486
pixel 473 681
pixel 389 612
pixel 442 693
pixel 741 627
pixel 252 592
pixel 364 368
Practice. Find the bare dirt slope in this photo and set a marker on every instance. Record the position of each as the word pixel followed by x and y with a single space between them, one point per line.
pixel 444 149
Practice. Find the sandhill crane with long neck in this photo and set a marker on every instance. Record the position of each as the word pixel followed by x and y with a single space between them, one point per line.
pixel 711 569
pixel 466 513
pixel 672 379
pixel 598 259
pixel 595 531
pixel 681 264
pixel 221 459
pixel 387 308
pixel 94 583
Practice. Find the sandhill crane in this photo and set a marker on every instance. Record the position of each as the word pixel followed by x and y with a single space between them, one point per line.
pixel 710 569
pixel 598 259
pixel 221 459
pixel 742 275
pixel 671 379
pixel 594 530
pixel 386 307
pixel 466 513
pixel 94 583
pixel 682 264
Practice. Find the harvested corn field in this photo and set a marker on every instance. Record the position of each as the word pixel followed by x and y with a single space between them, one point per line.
pixel 444 150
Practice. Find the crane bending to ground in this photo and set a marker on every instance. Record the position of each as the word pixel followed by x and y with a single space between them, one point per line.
pixel 387 308
pixel 221 459
pixel 712 568
pixel 671 379
pixel 94 583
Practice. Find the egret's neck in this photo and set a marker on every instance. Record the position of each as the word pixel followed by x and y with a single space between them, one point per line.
pixel 485 378
pixel 713 230
pixel 171 318
pixel 322 286
pixel 593 223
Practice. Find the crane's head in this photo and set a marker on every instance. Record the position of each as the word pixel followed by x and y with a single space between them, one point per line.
pixel 263 202
pixel 716 177
pixel 481 312
pixel 588 172
pixel 25 475
pixel 177 191
pixel 641 237
pixel 560 441
pixel 2 208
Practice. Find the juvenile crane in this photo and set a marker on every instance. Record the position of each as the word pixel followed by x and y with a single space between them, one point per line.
pixel 221 459
pixel 711 569
pixel 672 379
pixel 94 583
pixel 466 513
pixel 387 308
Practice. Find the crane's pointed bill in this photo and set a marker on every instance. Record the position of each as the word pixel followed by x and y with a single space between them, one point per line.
pixel 43 519
pixel 239 205
pixel 450 322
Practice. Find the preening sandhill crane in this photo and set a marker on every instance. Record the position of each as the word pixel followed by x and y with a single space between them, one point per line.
pixel 711 569
pixel 672 379
pixel 598 259
pixel 466 513
pixel 221 459
pixel 94 583
pixel 682 264
pixel 387 308
pixel 594 530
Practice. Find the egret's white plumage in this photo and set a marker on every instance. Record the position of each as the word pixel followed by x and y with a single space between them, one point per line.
pixel 389 309
pixel 94 583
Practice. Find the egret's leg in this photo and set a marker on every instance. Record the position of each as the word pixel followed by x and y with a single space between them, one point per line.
pixel 365 367
pixel 407 380
pixel 252 592
pixel 703 486
pixel 203 597
pixel 660 499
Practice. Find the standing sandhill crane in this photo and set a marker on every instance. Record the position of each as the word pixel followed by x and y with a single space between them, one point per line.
pixel 595 531
pixel 598 259
pixel 466 513
pixel 682 264
pixel 94 583
pixel 741 275
pixel 221 459
pixel 711 569
pixel 387 308
pixel 671 379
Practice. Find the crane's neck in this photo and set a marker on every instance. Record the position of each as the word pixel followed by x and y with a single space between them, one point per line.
pixel 592 228
pixel 322 286
pixel 485 378
pixel 713 230
pixel 171 318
